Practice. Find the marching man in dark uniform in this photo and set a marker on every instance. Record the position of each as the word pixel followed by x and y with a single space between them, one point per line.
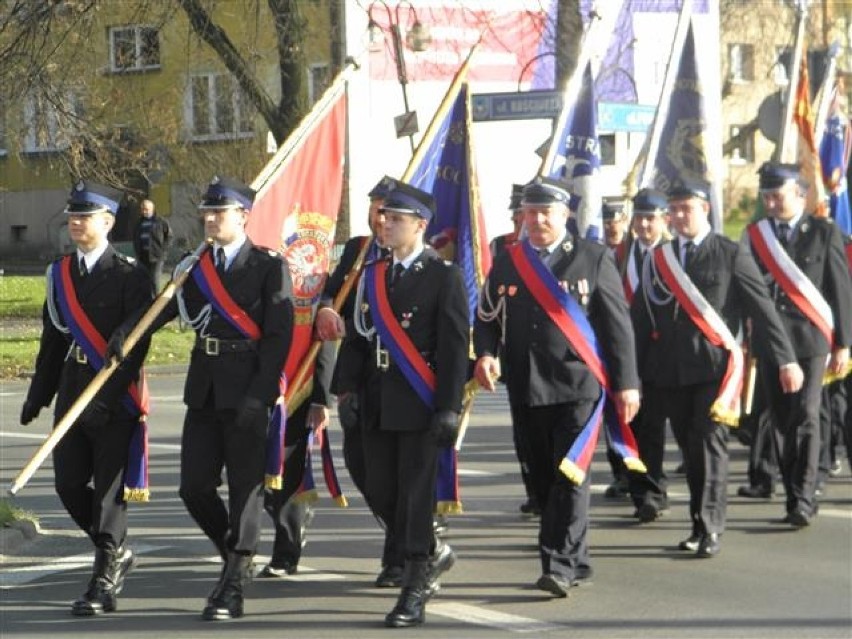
pixel 695 292
pixel 499 244
pixel 90 294
pixel 411 318
pixel 348 381
pixel 549 303
pixel 802 259
pixel 239 302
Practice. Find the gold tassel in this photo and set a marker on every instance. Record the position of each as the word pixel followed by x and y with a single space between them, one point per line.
pixel 305 497
pixel 341 501
pixel 273 482
pixel 449 508
pixel 719 413
pixel 635 464
pixel 137 494
pixel 830 378
pixel 572 472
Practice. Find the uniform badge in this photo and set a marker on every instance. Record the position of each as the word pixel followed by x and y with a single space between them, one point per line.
pixel 80 185
pixel 418 266
pixel 563 284
pixel 512 290
pixel 406 320
pixel 365 307
pixel 567 245
pixel 805 227
pixel 583 290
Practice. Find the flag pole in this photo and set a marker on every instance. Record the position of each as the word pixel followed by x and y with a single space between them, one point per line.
pixel 649 149
pixel 600 26
pixel 785 151
pixel 440 114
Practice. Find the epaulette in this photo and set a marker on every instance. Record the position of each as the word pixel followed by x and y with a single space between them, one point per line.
pixel 125 258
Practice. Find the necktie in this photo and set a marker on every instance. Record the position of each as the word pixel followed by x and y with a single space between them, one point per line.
pixel 220 260
pixel 398 270
pixel 784 234
pixel 688 254
pixel 82 266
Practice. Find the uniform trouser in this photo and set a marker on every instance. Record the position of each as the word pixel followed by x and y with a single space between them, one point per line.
pixel 762 460
pixel 549 432
pixel 831 413
pixel 705 450
pixel 290 517
pixel 88 466
pixel 523 457
pixel 401 480
pixel 650 432
pixel 847 420
pixel 212 441
pixel 795 417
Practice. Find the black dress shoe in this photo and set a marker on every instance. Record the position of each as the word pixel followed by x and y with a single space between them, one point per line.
pixel 691 543
pixel 554 584
pixel 443 559
pixel 798 519
pixel 389 577
pixel 226 600
pixel 754 492
pixel 617 489
pixel 410 609
pixel 646 513
pixel 530 509
pixel 709 546
pixel 278 570
pixel 583 577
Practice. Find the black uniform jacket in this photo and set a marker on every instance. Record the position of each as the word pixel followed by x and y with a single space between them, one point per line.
pixel 542 367
pixel 258 280
pixel 430 297
pixel 817 249
pixel 116 289
pixel 673 352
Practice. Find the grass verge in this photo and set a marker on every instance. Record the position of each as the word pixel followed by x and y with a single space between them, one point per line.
pixel 10 513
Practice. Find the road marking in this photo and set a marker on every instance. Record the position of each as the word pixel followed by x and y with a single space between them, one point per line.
pixel 10 577
pixel 832 512
pixel 493 619
pixel 306 573
pixel 6 433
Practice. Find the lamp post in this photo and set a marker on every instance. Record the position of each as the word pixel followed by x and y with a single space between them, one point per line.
pixel 417 39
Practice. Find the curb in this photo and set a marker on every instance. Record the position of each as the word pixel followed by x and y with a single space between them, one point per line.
pixel 16 533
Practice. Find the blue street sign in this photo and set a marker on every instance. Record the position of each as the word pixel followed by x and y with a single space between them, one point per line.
pixel 539 105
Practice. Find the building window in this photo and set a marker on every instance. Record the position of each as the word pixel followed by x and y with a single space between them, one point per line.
pixel 606 144
pixel 743 150
pixel 19 233
pixel 134 48
pixel 217 108
pixel 46 131
pixel 318 81
pixel 740 62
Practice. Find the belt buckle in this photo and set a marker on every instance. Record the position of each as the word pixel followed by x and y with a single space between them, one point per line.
pixel 211 346
pixel 382 359
pixel 80 356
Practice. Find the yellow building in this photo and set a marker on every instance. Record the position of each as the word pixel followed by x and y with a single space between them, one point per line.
pixel 163 104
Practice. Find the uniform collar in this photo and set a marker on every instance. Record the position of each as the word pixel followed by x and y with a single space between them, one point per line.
pixel 92 256
pixel 230 249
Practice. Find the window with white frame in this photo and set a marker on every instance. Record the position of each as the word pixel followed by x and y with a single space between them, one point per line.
pixel 217 108
pixel 318 81
pixel 134 48
pixel 740 62
pixel 47 123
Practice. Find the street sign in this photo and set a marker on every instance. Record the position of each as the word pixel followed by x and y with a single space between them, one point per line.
pixel 527 105
pixel 625 116
pixel 406 124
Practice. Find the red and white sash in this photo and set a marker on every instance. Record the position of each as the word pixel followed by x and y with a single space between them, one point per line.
pixel 790 278
pixel 726 406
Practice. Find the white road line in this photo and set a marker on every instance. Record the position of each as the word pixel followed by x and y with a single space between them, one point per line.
pixel 832 512
pixel 10 577
pixel 493 619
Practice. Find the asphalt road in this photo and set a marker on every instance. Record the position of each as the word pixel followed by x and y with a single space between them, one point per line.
pixel 769 581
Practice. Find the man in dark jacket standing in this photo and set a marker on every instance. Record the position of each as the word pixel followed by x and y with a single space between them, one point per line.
pixel 413 344
pixel 553 393
pixel 695 293
pixel 151 239
pixel 90 294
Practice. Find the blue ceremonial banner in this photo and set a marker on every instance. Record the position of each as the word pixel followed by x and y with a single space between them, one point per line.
pixel 834 153
pixel 682 153
pixel 446 171
pixel 577 159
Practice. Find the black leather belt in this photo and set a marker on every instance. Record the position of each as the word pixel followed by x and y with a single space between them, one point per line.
pixel 214 346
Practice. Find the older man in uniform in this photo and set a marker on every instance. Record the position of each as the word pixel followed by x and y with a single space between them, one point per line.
pixel 239 302
pixel 802 259
pixel 697 291
pixel 553 391
pixel 99 288
pixel 411 321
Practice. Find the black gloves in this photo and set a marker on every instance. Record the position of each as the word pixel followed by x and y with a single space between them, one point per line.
pixel 445 427
pixel 252 411
pixel 348 411
pixel 115 346
pixel 29 411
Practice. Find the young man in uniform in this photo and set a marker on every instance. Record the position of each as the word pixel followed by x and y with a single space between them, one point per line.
pixel 90 294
